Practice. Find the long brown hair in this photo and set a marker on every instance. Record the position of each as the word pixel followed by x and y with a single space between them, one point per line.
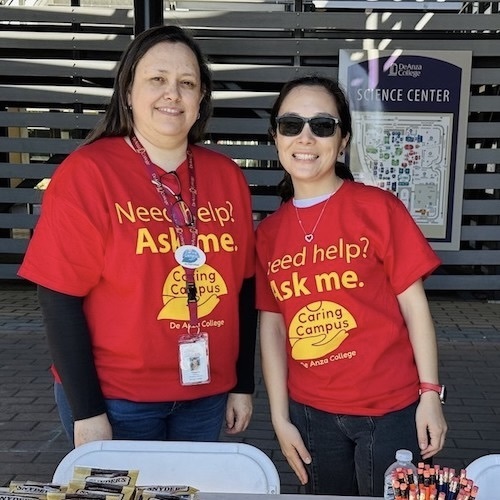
pixel 117 120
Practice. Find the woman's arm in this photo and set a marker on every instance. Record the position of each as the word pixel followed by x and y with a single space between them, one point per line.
pixel 245 364
pixel 239 406
pixel 69 344
pixel 274 369
pixel 431 425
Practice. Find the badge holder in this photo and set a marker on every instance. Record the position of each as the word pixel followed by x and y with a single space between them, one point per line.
pixel 194 363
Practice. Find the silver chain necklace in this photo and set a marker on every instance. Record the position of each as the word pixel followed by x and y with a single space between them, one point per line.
pixel 310 236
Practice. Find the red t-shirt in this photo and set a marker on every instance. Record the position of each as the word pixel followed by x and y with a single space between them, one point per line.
pixel 348 346
pixel 104 234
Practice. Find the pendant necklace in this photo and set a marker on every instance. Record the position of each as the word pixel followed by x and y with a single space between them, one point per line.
pixel 310 236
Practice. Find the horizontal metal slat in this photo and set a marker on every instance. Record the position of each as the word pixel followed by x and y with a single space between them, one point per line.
pixel 63 120
pixel 60 68
pixel 238 126
pixel 273 22
pixel 38 145
pixel 26 170
pixel 244 99
pixel 61 96
pixel 8 271
pixel 482 181
pixel 485 155
pixel 97 42
pixel 20 195
pixel 264 73
pixel 485 76
pixel 18 221
pixel 481 207
pixel 489 103
pixel 471 258
pixel 329 47
pixel 341 20
pixel 244 152
pixel 483 130
pixel 265 203
pixel 263 177
pixel 459 282
pixel 427 6
pixel 480 233
pixel 238 5
pixel 418 22
pixel 13 245
pixel 56 14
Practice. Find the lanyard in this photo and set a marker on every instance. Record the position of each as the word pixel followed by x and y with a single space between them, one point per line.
pixel 193 229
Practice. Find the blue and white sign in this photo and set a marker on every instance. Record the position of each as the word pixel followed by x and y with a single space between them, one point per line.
pixel 410 114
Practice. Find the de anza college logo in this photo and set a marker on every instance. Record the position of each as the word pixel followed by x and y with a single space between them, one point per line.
pixel 402 69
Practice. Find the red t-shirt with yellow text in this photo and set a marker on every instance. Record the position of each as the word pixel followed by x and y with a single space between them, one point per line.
pixel 104 234
pixel 348 346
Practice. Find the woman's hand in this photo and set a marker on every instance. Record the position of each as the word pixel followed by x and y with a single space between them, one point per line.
pixel 431 425
pixel 92 429
pixel 293 448
pixel 239 409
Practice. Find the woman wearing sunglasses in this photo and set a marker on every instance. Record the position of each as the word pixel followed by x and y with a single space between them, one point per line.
pixel 348 345
pixel 144 257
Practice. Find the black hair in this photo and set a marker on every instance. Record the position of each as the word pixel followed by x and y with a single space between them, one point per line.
pixel 285 187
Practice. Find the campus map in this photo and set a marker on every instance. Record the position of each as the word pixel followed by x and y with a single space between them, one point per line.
pixel 408 154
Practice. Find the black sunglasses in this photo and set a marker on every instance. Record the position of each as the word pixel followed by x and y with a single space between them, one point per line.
pixel 179 211
pixel 321 126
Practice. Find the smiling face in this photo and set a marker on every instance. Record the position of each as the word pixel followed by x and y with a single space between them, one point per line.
pixel 166 93
pixel 309 159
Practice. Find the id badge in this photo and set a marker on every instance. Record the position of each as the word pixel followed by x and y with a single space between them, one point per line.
pixel 193 360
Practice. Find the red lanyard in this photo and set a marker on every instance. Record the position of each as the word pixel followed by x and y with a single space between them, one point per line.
pixel 155 179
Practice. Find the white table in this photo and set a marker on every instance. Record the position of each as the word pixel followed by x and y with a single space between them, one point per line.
pixel 251 496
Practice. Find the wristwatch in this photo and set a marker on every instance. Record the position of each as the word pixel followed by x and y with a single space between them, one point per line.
pixel 440 389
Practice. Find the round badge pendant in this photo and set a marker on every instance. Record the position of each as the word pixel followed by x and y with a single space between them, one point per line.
pixel 190 256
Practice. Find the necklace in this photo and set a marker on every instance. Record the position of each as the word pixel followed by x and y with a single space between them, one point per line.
pixel 310 236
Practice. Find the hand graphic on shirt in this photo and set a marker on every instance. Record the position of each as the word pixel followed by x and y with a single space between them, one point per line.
pixel 305 348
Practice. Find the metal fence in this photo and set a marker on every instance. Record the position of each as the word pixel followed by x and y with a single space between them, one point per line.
pixel 58 62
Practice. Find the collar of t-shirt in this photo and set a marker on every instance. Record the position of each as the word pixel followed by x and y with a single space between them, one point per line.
pixel 309 202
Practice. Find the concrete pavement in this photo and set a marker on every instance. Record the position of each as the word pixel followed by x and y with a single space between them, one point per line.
pixel 32 441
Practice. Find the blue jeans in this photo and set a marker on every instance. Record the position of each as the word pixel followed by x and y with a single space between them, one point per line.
pixel 196 420
pixel 351 453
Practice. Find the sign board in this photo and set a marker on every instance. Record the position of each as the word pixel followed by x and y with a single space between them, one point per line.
pixel 409 111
